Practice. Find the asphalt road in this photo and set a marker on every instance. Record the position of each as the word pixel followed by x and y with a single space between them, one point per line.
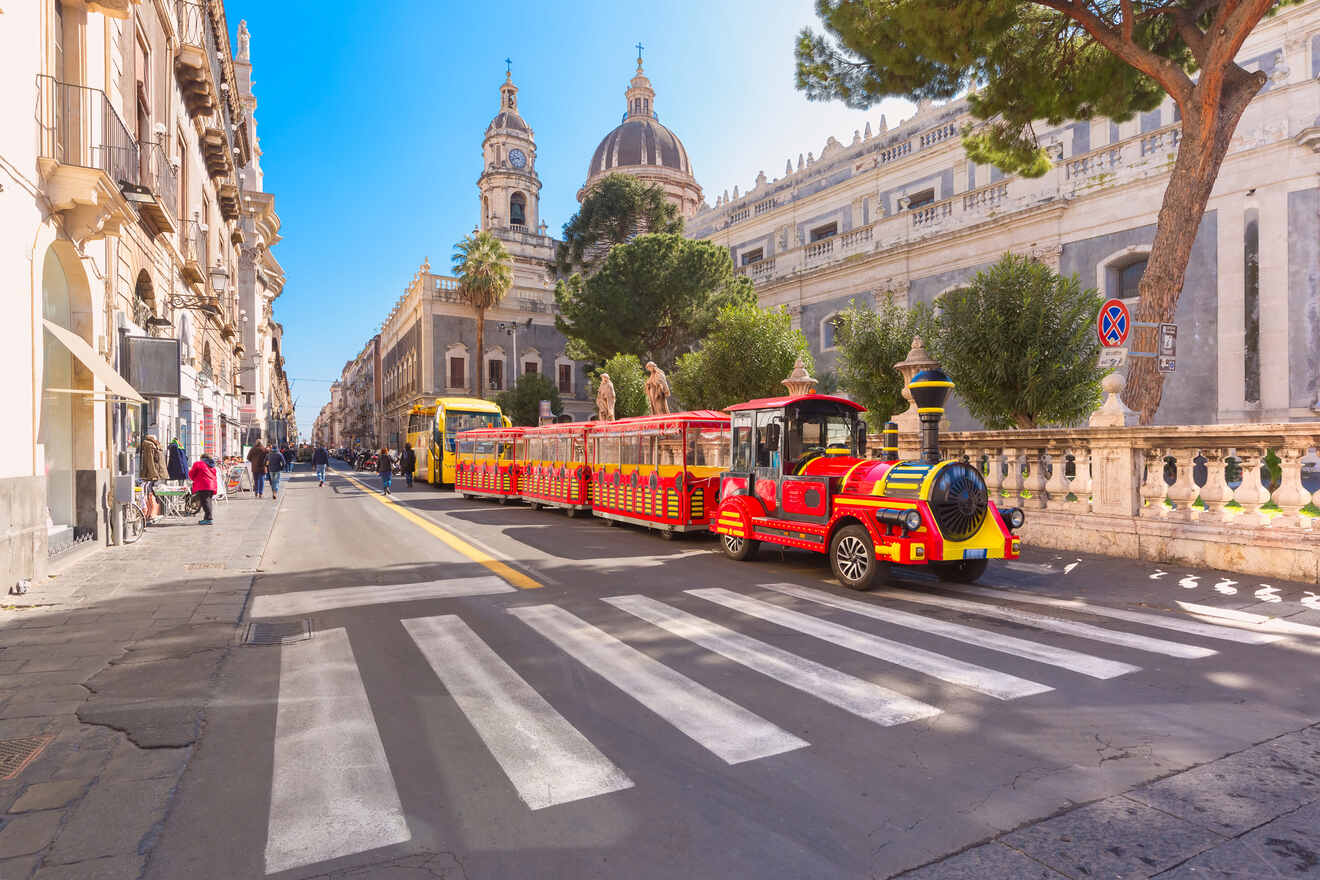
pixel 495 692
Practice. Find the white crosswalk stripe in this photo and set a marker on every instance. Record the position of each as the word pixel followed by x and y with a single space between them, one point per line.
pixel 999 685
pixel 1076 661
pixel 855 695
pixel 545 757
pixel 332 793
pixel 313 601
pixel 720 725
pixel 1053 624
pixel 1191 627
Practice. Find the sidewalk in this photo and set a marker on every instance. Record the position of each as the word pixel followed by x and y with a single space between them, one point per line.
pixel 107 667
pixel 1252 814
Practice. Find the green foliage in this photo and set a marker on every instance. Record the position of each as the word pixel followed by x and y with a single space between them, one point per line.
pixel 1019 60
pixel 654 297
pixel 629 378
pixel 484 269
pixel 618 208
pixel 522 402
pixel 870 342
pixel 747 354
pixel 1020 343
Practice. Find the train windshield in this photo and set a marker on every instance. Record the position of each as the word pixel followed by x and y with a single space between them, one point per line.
pixel 818 430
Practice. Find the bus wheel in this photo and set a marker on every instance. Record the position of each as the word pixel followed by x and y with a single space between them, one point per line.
pixel 963 571
pixel 737 548
pixel 852 556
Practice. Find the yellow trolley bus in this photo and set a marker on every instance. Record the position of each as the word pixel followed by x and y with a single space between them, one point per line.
pixel 447 417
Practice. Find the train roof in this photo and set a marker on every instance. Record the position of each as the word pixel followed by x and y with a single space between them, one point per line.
pixel 779 402
pixel 560 428
pixel 664 419
pixel 492 433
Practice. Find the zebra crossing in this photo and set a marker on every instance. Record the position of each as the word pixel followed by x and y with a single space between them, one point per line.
pixel 333 793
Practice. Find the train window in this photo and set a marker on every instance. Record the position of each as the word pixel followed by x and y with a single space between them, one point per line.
pixel 769 427
pixel 647 451
pixel 609 450
pixel 708 448
pixel 630 449
pixel 561 448
pixel 521 447
pixel 669 449
pixel 742 442
pixel 465 446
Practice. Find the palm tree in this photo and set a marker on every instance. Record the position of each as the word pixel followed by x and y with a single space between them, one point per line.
pixel 485 274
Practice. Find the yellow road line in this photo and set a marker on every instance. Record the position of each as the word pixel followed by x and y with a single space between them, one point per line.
pixel 516 578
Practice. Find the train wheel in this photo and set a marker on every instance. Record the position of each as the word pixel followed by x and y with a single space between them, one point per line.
pixel 668 534
pixel 852 556
pixel 570 511
pixel 737 548
pixel 964 571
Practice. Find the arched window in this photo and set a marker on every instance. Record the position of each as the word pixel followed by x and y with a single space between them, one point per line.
pixel 517 209
pixel 144 300
pixel 829 329
pixel 1119 275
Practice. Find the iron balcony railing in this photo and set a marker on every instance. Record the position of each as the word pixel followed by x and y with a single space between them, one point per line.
pixel 192 243
pixel 161 177
pixel 79 126
pixel 192 22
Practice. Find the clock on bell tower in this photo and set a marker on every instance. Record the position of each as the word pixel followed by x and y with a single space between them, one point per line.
pixel 510 187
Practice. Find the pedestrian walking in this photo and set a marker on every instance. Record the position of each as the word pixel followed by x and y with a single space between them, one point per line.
pixel 204 483
pixel 289 456
pixel 274 469
pixel 256 457
pixel 151 469
pixel 320 458
pixel 385 467
pixel 408 463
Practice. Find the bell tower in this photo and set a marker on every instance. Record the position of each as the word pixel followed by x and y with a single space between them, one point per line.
pixel 510 188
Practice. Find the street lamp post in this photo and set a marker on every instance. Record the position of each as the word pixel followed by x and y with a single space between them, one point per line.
pixel 512 328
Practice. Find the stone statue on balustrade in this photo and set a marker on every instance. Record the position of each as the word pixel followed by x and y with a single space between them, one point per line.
pixel 605 399
pixel 657 389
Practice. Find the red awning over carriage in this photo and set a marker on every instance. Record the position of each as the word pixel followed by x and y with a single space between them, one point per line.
pixel 777 402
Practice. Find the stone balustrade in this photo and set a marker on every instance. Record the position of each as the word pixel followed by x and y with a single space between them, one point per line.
pixel 1182 494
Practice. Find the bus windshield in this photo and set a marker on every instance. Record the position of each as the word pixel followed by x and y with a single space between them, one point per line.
pixel 456 421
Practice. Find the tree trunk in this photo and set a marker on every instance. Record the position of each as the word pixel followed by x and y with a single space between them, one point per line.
pixel 481 353
pixel 1207 132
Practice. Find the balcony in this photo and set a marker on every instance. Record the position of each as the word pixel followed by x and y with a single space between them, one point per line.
pixel 215 145
pixel 86 158
pixel 227 193
pixel 193 246
pixel 193 60
pixel 158 196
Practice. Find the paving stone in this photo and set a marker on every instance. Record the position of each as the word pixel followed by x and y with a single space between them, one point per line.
pixel 111 820
pixel 28 833
pixel 18 869
pixel 49 795
pixel 8 667
pixel 16 708
pixel 1116 837
pixel 989 860
pixel 125 867
pixel 1241 791
pixel 1287 847
pixel 130 762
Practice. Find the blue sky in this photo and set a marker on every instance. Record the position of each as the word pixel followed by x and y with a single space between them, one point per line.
pixel 371 129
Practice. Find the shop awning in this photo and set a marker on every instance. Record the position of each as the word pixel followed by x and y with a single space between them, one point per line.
pixel 115 384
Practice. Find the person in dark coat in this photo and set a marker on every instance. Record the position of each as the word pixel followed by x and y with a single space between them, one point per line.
pixel 153 469
pixel 385 467
pixel 178 462
pixel 408 463
pixel 320 458
pixel 256 457
pixel 274 470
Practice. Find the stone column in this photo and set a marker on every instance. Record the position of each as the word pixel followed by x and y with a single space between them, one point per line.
pixel 1081 481
pixel 1013 478
pixel 1215 493
pixel 1154 489
pixel 994 476
pixel 1183 491
pixel 1291 496
pixel 1250 494
pixel 1035 479
pixel 1115 476
pixel 1056 488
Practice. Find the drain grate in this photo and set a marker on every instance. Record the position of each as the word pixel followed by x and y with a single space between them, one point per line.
pixel 280 632
pixel 16 754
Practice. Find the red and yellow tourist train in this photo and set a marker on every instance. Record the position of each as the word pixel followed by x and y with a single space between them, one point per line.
pixel 783 470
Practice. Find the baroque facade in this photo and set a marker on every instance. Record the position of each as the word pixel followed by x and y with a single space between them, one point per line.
pixel 903 211
pixel 137 230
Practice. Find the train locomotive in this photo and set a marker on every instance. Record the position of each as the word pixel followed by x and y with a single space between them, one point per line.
pixel 797 478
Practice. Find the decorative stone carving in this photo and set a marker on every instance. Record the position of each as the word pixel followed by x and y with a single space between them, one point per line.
pixel 657 389
pixel 244 41
pixel 799 381
pixel 1113 413
pixel 605 399
pixel 917 360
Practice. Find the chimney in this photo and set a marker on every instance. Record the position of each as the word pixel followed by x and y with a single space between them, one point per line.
pixel 889 442
pixel 929 389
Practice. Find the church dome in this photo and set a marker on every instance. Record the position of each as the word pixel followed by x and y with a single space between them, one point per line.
pixel 507 119
pixel 641 147
pixel 639 141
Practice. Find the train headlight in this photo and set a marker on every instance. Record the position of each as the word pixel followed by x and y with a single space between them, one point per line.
pixel 1013 518
pixel 911 520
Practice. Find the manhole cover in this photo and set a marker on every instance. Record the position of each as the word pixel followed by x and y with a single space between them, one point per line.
pixel 194 566
pixel 278 632
pixel 15 754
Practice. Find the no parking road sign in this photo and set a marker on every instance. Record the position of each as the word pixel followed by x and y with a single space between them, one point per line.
pixel 1112 323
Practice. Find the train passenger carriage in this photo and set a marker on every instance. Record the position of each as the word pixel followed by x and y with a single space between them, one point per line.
pixel 553 466
pixel 485 463
pixel 659 471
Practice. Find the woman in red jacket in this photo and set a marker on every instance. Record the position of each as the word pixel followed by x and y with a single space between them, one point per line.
pixel 202 474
